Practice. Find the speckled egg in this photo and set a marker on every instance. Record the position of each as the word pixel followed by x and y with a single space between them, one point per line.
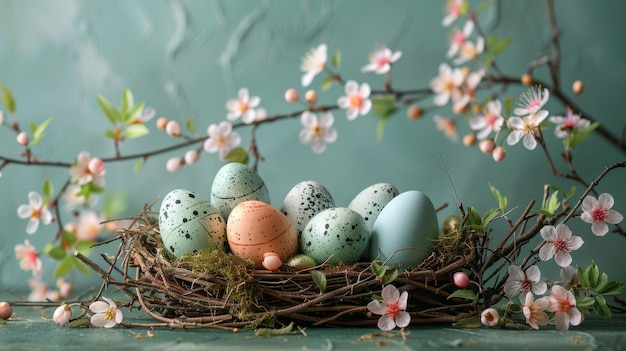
pixel 235 183
pixel 255 228
pixel 188 222
pixel 371 201
pixel 304 201
pixel 338 232
pixel 405 230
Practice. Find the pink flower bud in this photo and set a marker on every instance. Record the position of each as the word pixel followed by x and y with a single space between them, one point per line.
pixel 291 95
pixel 65 288
pixel 489 317
pixel 62 314
pixel 96 166
pixel 487 146
pixel 23 139
pixel 161 123
pixel 499 153
pixel 271 261
pixel 469 139
pixel 310 96
pixel 5 310
pixel 172 128
pixel 191 157
pixel 173 164
pixel 461 280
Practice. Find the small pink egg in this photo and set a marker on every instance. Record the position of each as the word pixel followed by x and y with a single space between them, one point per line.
pixel 5 310
pixel 271 261
pixel 461 280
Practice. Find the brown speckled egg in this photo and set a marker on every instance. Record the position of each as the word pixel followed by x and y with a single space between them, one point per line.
pixel 255 227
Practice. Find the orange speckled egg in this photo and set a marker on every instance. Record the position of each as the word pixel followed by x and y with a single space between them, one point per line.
pixel 255 227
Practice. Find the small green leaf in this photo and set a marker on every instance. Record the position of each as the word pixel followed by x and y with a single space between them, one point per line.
pixel 38 130
pixel 191 125
pixel 81 266
pixel 593 275
pixel 267 332
pixel 502 200
pixel 552 205
pixel 389 277
pixel 613 288
pixel 327 82
pixel 601 308
pixel 131 115
pixel 490 215
pixel 238 154
pixel 378 270
pixel 582 277
pixel 473 218
pixel 496 46
pixel 65 266
pixel 127 101
pixel 584 301
pixel 68 237
pixel 336 59
pixel 7 98
pixel 135 131
pixel 469 323
pixel 138 165
pixel 577 137
pixel 84 247
pixel 320 280
pixel 109 111
pixel 380 128
pixel 57 252
pixel 47 189
pixel 464 294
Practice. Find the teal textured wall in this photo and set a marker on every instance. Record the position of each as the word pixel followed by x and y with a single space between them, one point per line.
pixel 189 57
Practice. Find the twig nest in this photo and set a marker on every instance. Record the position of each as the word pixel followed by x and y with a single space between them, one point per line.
pixel 271 261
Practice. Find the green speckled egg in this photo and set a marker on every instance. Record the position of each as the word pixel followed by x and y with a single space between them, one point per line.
pixel 338 232
pixel 304 201
pixel 235 183
pixel 188 222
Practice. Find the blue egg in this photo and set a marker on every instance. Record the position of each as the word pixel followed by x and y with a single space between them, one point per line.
pixel 235 183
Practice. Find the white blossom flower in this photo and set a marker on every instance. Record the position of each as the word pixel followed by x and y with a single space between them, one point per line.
pixel 455 8
pixel 490 121
pixel 221 139
pixel 470 51
pixel 490 317
pixel 599 213
pixel 533 310
pixel 381 60
pixel 81 174
pixel 89 225
pixel 392 308
pixel 467 91
pixel 446 84
pixel 356 100
pixel 29 258
pixel 559 243
pixel 146 115
pixel 566 125
pixel 526 129
pixel 532 101
pixel 317 131
pixel 563 302
pixel 36 211
pixel 62 314
pixel 313 63
pixel 106 313
pixel 524 282
pixel 459 37
pixel 569 276
pixel 243 106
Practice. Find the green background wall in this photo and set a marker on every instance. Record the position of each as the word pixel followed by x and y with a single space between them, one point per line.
pixel 189 57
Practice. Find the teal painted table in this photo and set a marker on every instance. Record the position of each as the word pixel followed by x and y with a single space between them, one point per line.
pixel 32 329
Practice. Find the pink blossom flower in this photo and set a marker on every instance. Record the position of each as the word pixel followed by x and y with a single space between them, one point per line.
pixel 381 60
pixel 562 302
pixel 243 106
pixel 62 314
pixel 356 100
pixel 466 92
pixel 470 51
pixel 455 8
pixel 313 63
pixel 221 139
pixel 447 126
pixel 317 131
pixel 36 211
pixel 107 314
pixel 559 242
pixel 459 37
pixel 524 282
pixel 38 289
pixel 532 101
pixel 392 308
pixel 490 121
pixel 89 225
pixel 526 129
pixel 534 310
pixel 81 174
pixel 447 83
pixel 566 125
pixel 29 258
pixel 599 213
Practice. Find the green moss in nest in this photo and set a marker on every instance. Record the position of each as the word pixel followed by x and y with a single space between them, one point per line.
pixel 448 247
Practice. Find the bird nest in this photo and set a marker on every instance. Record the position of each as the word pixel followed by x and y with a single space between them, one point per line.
pixel 218 289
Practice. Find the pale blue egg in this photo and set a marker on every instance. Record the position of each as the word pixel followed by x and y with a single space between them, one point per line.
pixel 405 230
pixel 336 234
pixel 304 201
pixel 235 183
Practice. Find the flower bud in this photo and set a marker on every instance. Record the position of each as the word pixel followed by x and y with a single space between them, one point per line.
pixel 191 156
pixel 96 166
pixel 578 87
pixel 489 317
pixel 414 112
pixel 498 153
pixel 5 310
pixel 54 295
pixel 469 139
pixel 62 314
pixel 526 79
pixel 23 138
pixel 310 96
pixel 174 163
pixel 172 128
pixel 271 261
pixel 65 287
pixel 291 95
pixel 487 146
pixel 461 280
pixel 161 123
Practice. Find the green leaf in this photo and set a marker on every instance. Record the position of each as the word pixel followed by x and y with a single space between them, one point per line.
pixel 502 200
pixel 138 165
pixel 38 130
pixel 464 294
pixel 109 111
pixel 131 115
pixel 135 131
pixel 327 82
pixel 68 237
pixel 584 301
pixel 378 270
pixel 336 59
pixel 582 277
pixel 490 215
pixel 238 154
pixel 496 46
pixel 469 323
pixel 81 266
pixel 127 102
pixel 473 218
pixel 84 247
pixel 57 252
pixel 612 288
pixel 577 136
pixel 65 266
pixel 47 189
pixel 191 125
pixel 601 308
pixel 380 128
pixel 384 105
pixel 552 205
pixel 320 280
pixel 593 275
pixel 7 98
pixel 389 276
pixel 267 332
